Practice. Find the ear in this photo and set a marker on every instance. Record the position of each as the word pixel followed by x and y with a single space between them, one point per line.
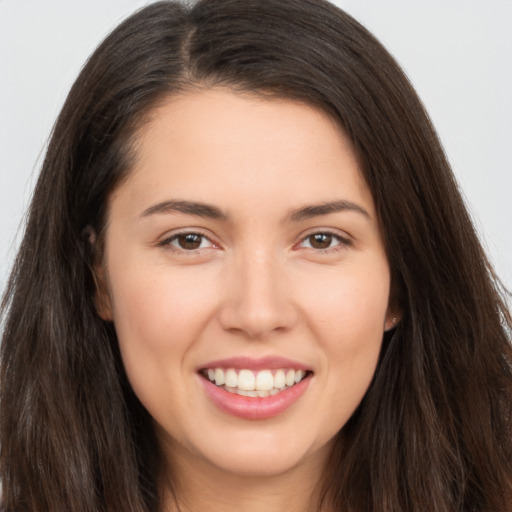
pixel 392 320
pixel 102 300
pixel 394 312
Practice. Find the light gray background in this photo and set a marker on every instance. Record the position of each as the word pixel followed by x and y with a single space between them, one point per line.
pixel 458 54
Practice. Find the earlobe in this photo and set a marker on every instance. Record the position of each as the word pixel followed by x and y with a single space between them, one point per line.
pixel 101 298
pixel 391 322
pixel 393 318
pixel 394 311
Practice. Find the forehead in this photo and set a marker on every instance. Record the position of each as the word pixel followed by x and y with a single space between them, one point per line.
pixel 216 144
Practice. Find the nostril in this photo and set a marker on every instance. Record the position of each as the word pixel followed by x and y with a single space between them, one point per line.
pixel 255 321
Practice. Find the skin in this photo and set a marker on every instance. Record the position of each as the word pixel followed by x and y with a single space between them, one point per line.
pixel 257 285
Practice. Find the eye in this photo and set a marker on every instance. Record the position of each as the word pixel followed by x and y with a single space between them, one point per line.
pixel 188 242
pixel 322 241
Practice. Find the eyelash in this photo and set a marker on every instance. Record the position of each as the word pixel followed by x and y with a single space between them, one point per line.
pixel 168 242
pixel 342 242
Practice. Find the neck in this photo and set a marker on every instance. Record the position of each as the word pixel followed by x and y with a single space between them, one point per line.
pixel 201 487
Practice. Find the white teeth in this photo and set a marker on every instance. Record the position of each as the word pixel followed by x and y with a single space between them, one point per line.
pixel 248 383
pixel 299 376
pixel 246 380
pixel 279 379
pixel 264 380
pixel 219 377
pixel 231 378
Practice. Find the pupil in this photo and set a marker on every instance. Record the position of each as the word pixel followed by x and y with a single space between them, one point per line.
pixel 321 241
pixel 189 241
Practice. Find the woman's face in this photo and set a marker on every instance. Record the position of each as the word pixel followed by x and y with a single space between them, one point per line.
pixel 244 249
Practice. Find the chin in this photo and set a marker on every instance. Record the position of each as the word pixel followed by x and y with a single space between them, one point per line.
pixel 256 464
pixel 266 455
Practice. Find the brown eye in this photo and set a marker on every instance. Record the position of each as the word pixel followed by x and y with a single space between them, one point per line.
pixel 324 240
pixel 188 241
pixel 320 240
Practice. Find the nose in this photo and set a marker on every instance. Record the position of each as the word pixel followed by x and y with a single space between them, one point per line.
pixel 257 298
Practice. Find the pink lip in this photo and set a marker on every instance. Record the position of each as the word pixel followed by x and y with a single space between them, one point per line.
pixel 254 408
pixel 263 363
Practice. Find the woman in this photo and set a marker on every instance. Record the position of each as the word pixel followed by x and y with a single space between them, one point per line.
pixel 248 280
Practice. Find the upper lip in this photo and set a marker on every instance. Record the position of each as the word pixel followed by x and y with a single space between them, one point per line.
pixel 256 364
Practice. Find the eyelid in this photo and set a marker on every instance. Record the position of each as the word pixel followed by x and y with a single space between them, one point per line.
pixel 169 237
pixel 345 240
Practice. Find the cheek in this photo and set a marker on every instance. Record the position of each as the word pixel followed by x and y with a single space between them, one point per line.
pixel 350 303
pixel 157 308
pixel 347 315
pixel 158 316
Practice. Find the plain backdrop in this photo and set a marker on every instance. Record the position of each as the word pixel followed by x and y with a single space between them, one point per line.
pixel 457 53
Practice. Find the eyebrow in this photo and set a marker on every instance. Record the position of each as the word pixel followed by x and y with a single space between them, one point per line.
pixel 308 212
pixel 212 212
pixel 186 207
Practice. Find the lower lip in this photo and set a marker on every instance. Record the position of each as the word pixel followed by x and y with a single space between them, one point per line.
pixel 255 408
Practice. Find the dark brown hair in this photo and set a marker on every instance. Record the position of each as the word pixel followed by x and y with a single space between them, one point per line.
pixel 434 430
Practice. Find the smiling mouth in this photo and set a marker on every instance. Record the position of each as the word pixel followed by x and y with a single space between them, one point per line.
pixel 250 383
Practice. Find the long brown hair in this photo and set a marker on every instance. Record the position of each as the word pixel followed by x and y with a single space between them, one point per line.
pixel 434 430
